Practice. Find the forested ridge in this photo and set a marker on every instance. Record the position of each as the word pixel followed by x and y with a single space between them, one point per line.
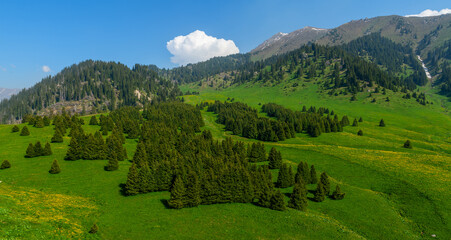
pixel 106 86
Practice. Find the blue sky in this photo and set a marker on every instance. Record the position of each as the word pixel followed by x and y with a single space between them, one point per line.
pixel 57 34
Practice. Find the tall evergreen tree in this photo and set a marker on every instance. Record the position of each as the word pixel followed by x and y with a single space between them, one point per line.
pixel 408 144
pixel 25 131
pixel 360 133
pixel 144 179
pixel 30 151
pixel 93 121
pixel 75 150
pixel 355 123
pixel 382 123
pixel 132 183
pixel 192 191
pixel 140 154
pixel 55 168
pixel 5 164
pixel 39 123
pixel 47 150
pixel 38 149
pixel 298 199
pixel 113 163
pixel 285 178
pixel 277 201
pixel 15 128
pixel 177 193
pixel 275 159
pixel 320 194
pixel 337 194
pixel 57 137
pixel 324 179
pixel 313 175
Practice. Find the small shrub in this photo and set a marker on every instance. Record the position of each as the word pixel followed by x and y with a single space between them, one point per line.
pixel 94 229
pixel 408 144
pixel 5 164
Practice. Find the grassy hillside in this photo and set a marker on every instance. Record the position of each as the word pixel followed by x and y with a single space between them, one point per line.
pixel 391 192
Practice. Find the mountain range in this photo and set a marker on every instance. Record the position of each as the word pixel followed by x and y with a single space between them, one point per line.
pixel 390 42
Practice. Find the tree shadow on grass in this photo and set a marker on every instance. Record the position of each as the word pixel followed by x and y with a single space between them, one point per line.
pixel 165 202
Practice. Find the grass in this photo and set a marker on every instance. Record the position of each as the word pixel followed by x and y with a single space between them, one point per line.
pixel 391 192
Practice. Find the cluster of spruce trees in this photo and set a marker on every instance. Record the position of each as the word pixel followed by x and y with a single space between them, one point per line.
pixel 37 150
pixel 311 121
pixel 244 121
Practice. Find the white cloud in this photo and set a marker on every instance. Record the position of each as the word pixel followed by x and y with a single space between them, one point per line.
pixel 431 13
pixel 46 69
pixel 198 46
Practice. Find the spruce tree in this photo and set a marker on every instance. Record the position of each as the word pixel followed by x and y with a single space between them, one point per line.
pixel 38 149
pixel 75 150
pixel 94 229
pixel 15 128
pixel 298 199
pixel 30 151
pixel 93 121
pixel 360 133
pixel 144 179
pixel 57 137
pixel 113 163
pixel 275 159
pixel 25 131
pixel 313 175
pixel 324 179
pixel 5 164
pixel 277 201
pixel 355 123
pixel 55 168
pixel 285 178
pixel 132 183
pixel 47 150
pixel 360 119
pixel 140 154
pixel 46 121
pixel 408 144
pixel 382 123
pixel 337 194
pixel 39 123
pixel 192 191
pixel 177 193
pixel 320 195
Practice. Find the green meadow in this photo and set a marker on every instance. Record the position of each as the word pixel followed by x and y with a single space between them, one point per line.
pixel 391 192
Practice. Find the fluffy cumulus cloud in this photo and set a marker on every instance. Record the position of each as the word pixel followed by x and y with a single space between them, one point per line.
pixel 198 46
pixel 431 13
pixel 46 69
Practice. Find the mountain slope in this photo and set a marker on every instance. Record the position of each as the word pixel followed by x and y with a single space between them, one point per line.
pixel 89 86
pixel 285 42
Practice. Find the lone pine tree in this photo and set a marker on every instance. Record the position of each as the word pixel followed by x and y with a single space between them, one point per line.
pixel 382 123
pixel 25 131
pixel 55 168
pixel 360 133
pixel 15 128
pixel 355 123
pixel 5 164
pixel 94 229
pixel 337 194
pixel 408 144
